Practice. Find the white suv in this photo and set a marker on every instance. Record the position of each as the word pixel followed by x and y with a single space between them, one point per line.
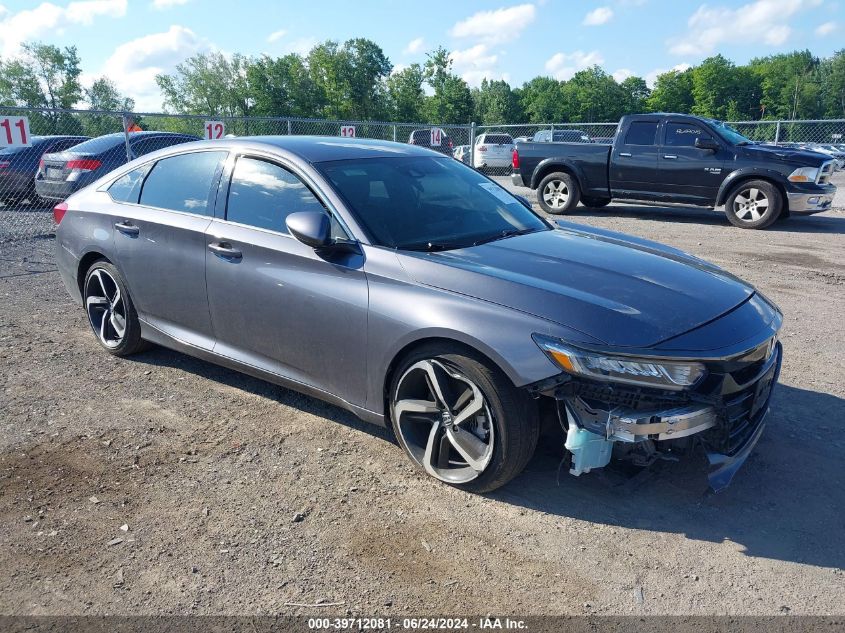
pixel 493 149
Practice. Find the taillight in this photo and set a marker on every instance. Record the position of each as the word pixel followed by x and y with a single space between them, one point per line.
pixel 482 148
pixel 515 159
pixel 59 212
pixel 451 145
pixel 84 164
pixel 41 164
pixel 4 164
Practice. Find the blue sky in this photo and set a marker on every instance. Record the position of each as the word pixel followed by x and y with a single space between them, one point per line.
pixel 131 40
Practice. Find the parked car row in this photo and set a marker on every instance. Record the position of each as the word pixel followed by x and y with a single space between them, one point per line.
pixel 835 151
pixel 53 167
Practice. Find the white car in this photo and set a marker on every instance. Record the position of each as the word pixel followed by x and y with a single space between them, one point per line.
pixel 493 149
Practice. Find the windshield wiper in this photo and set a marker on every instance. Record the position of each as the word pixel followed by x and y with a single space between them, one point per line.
pixel 431 247
pixel 504 234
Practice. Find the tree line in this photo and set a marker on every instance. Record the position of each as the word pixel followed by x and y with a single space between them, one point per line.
pixel 355 80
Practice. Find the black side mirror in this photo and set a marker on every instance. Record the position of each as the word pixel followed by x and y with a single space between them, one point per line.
pixel 706 143
pixel 312 228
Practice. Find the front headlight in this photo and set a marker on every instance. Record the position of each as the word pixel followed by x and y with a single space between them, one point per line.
pixel 635 371
pixel 804 174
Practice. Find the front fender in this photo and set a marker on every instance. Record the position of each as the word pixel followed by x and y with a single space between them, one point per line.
pixel 746 173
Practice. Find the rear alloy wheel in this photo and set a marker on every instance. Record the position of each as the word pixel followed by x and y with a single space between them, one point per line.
pixel 754 205
pixel 111 313
pixel 461 421
pixel 558 193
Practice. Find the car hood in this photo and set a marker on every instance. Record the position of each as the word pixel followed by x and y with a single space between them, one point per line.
pixel 787 154
pixel 622 291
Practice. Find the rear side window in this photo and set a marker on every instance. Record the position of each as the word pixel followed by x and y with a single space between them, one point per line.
pixel 182 183
pixel 146 145
pixel 127 188
pixel 641 133
pixel 684 134
pixel 263 194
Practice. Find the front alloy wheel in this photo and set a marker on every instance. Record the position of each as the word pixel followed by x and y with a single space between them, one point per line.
pixel 444 422
pixel 460 419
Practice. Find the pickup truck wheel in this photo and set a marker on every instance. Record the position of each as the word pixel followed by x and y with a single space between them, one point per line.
pixel 595 203
pixel 755 204
pixel 558 193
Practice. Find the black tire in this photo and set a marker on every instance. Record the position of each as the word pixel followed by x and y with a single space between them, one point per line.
pixel 558 193
pixel 754 204
pixel 104 274
pixel 594 203
pixel 513 415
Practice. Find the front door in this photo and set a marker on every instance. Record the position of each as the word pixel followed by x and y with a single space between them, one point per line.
pixel 160 241
pixel 277 304
pixel 686 171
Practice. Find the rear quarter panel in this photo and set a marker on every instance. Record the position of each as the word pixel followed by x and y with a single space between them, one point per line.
pixel 587 160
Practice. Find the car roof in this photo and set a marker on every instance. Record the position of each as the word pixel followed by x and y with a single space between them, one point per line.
pixel 317 149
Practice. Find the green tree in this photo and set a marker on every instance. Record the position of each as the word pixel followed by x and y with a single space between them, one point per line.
pixel 790 87
pixel 102 94
pixel 283 87
pixel 636 94
pixel 594 95
pixel 672 92
pixel 722 90
pixel 44 76
pixel 452 99
pixel 542 102
pixel 208 83
pixel 494 102
pixel 832 80
pixel 406 95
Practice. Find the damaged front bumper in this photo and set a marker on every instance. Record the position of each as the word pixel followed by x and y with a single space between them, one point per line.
pixel 727 419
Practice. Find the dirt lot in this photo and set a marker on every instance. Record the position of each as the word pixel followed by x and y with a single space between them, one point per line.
pixel 163 484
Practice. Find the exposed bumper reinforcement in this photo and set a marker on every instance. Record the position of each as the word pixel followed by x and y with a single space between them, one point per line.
pixel 724 467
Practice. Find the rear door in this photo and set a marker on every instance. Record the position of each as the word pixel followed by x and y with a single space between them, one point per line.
pixel 278 304
pixel 633 161
pixel 686 171
pixel 162 212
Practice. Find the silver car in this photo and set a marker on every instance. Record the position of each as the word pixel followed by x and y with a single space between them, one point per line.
pixel 410 289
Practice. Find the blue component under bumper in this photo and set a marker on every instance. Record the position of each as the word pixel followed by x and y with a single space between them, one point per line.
pixel 724 467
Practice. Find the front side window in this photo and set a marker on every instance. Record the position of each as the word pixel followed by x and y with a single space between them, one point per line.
pixel 127 188
pixel 641 133
pixel 684 134
pixel 182 182
pixel 263 194
pixel 427 203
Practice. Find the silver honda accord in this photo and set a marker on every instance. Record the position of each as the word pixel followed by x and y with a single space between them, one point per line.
pixel 410 289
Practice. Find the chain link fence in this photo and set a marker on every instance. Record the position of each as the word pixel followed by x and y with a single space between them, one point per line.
pixel 45 154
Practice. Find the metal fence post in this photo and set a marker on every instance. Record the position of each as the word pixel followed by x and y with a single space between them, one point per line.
pixel 394 132
pixel 289 131
pixel 777 133
pixel 472 144
pixel 125 118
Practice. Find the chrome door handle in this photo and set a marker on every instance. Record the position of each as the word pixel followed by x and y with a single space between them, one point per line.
pixel 224 250
pixel 127 228
pixel 670 156
pixel 628 154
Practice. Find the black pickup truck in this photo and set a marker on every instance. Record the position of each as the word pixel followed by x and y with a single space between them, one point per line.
pixel 678 158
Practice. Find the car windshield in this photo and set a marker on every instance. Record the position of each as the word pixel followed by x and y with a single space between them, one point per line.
pixel 427 203
pixel 728 133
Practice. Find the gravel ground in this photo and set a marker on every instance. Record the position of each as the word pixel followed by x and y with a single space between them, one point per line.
pixel 164 484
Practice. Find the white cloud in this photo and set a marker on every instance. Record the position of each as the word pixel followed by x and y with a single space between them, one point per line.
pixel 301 45
pixel 651 77
pixel 398 68
pixel 826 29
pixel 563 65
pixel 763 21
pixel 622 74
pixel 167 4
pixel 476 63
pixel 415 46
pixel 500 25
pixel 48 18
pixel 598 16
pixel 275 36
pixel 134 65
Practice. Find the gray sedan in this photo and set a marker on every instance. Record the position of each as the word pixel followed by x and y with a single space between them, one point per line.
pixel 415 292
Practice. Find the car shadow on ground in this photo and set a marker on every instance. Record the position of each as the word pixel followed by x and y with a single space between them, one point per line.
pixel 786 502
pixel 821 223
